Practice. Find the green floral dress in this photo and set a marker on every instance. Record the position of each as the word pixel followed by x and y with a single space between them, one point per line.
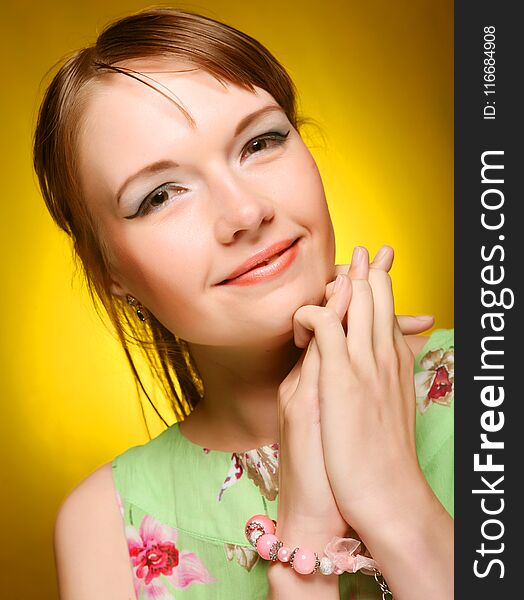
pixel 184 507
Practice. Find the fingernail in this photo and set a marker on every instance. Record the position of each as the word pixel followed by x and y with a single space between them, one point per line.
pixel 358 253
pixel 338 283
pixel 381 253
pixel 423 317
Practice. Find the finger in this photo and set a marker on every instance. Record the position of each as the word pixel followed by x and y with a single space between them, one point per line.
pixel 305 371
pixel 360 311
pixel 342 268
pixel 339 270
pixel 359 263
pixel 304 377
pixel 330 338
pixel 308 365
pixel 301 335
pixel 383 314
pixel 339 302
pixel 398 334
pixel 310 370
pixel 383 260
pixel 404 354
pixel 299 398
pixel 341 299
pixel 411 325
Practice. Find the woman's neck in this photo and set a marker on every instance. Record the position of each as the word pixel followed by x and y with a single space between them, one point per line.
pixel 239 408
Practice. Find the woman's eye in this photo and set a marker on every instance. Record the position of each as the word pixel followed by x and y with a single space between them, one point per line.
pixel 162 194
pixel 157 198
pixel 263 142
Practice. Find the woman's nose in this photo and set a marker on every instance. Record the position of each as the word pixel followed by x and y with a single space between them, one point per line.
pixel 239 207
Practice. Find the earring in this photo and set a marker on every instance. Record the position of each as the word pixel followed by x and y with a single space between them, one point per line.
pixel 134 302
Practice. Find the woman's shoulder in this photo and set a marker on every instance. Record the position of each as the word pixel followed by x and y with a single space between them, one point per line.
pixel 137 471
pixel 93 499
pixel 89 539
pixel 149 450
pixel 88 496
pixel 145 455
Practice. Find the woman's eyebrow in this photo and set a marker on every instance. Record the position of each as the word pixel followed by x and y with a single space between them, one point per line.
pixel 248 119
pixel 164 165
pixel 156 167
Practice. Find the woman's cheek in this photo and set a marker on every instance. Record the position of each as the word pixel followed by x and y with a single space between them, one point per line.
pixel 311 206
pixel 306 185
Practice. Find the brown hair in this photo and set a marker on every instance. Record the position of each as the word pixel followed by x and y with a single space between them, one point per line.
pixel 224 52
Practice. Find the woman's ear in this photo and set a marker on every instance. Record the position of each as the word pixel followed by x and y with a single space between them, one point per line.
pixel 117 289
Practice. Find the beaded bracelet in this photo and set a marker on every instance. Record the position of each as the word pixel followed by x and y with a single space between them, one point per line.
pixel 339 556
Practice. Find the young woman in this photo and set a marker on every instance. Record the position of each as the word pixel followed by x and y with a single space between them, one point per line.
pixel 170 151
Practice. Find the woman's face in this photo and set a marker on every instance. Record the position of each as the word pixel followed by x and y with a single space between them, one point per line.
pixel 216 196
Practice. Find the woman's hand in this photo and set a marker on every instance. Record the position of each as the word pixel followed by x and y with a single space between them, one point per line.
pixel 367 399
pixel 308 514
pixel 409 324
pixel 367 422
pixel 306 506
pixel 305 495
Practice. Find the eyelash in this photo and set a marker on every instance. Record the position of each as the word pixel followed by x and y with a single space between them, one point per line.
pixel 146 207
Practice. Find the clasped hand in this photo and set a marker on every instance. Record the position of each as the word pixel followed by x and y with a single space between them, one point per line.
pixel 352 394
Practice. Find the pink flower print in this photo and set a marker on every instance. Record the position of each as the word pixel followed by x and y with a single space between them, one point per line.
pixel 435 382
pixel 233 475
pixel 261 466
pixel 153 551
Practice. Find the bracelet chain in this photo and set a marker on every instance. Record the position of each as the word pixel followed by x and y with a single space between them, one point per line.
pixel 386 592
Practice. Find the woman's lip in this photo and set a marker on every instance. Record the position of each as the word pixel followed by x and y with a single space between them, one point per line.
pixel 267 272
pixel 259 258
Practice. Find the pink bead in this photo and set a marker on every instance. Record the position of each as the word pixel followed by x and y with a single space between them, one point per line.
pixel 338 571
pixel 304 561
pixel 267 524
pixel 284 554
pixel 264 544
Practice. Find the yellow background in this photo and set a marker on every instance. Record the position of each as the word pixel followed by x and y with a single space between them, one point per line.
pixel 378 77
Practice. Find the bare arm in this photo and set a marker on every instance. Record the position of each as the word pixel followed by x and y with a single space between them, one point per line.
pixel 90 547
pixel 416 549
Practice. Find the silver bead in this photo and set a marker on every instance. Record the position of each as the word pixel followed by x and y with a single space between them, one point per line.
pixel 326 566
pixel 253 538
pixel 253 531
pixel 273 551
